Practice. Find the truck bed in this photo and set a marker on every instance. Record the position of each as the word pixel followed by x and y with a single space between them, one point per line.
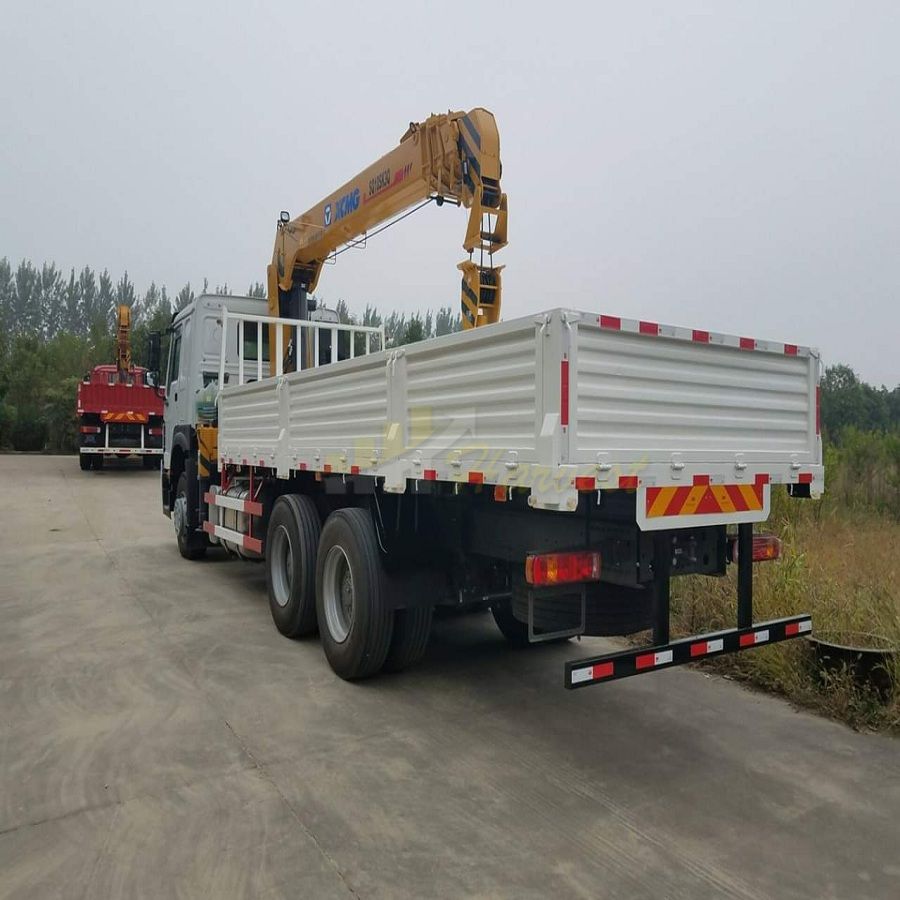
pixel 553 403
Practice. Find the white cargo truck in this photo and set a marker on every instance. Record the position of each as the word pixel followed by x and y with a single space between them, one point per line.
pixel 558 469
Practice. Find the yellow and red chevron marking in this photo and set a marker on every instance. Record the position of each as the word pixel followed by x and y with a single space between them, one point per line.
pixel 702 498
pixel 124 417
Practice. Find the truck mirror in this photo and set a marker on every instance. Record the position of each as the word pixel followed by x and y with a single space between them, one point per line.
pixel 153 355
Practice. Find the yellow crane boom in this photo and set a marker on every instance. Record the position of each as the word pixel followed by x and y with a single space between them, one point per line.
pixel 453 157
pixel 123 342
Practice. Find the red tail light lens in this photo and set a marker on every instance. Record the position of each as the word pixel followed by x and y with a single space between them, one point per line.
pixel 562 568
pixel 90 429
pixel 156 432
pixel 765 547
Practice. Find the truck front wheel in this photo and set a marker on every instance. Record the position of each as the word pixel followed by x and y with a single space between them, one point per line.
pixel 191 545
pixel 292 541
pixel 352 597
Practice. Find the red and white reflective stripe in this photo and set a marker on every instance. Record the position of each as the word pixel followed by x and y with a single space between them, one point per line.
pixel 654 329
pixel 564 392
pixel 803 627
pixel 251 507
pixel 651 660
pixel 754 637
pixel 247 542
pixel 593 673
pixel 704 648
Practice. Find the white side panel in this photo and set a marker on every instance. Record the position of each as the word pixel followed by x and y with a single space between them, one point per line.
pixel 338 409
pixel 640 399
pixel 474 398
pixel 540 403
pixel 249 422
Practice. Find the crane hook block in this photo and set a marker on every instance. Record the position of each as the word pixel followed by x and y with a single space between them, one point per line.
pixel 480 294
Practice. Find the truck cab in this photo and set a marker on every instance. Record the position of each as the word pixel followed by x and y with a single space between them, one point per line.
pixel 195 348
pixel 191 383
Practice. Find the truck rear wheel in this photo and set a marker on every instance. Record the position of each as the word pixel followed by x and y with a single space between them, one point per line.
pixel 412 628
pixel 292 542
pixel 191 545
pixel 96 461
pixel 84 461
pixel 511 628
pixel 352 598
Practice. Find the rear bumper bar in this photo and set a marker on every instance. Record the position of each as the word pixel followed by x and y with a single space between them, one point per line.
pixel 611 666
pixel 123 451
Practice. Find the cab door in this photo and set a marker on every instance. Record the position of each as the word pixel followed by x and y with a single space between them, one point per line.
pixel 173 414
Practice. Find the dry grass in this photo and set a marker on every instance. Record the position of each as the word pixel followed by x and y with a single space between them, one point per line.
pixel 842 567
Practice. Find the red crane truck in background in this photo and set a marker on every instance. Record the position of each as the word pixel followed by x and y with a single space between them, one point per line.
pixel 119 410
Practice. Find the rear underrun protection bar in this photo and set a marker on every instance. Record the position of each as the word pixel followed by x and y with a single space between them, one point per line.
pixel 663 653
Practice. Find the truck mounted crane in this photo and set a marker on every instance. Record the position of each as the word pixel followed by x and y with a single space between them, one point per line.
pixel 120 413
pixel 123 342
pixel 452 157
pixel 559 469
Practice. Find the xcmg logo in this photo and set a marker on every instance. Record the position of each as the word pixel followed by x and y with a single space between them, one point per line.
pixel 347 204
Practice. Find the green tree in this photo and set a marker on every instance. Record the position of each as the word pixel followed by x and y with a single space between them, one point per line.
pixel 416 329
pixel 50 300
pixel 106 302
pixel 89 298
pixel 446 322
pixel 72 320
pixel 24 310
pixel 184 297
pixel 7 289
pixel 847 402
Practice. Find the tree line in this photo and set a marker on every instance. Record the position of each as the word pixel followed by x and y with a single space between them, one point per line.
pixel 56 326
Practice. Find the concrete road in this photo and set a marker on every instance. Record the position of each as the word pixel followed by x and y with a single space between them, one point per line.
pixel 160 739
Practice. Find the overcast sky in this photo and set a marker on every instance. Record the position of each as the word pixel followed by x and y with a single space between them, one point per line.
pixel 729 166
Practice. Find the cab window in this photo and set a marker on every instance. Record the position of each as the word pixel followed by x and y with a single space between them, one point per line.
pixel 251 342
pixel 174 357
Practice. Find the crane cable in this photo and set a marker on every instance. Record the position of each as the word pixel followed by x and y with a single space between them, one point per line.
pixel 352 245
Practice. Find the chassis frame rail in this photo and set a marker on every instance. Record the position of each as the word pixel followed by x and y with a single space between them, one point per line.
pixel 611 666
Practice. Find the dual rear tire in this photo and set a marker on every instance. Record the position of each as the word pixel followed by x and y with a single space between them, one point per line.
pixel 89 461
pixel 332 578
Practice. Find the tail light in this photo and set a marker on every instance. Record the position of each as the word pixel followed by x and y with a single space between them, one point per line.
pixel 155 431
pixel 90 429
pixel 562 568
pixel 765 547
